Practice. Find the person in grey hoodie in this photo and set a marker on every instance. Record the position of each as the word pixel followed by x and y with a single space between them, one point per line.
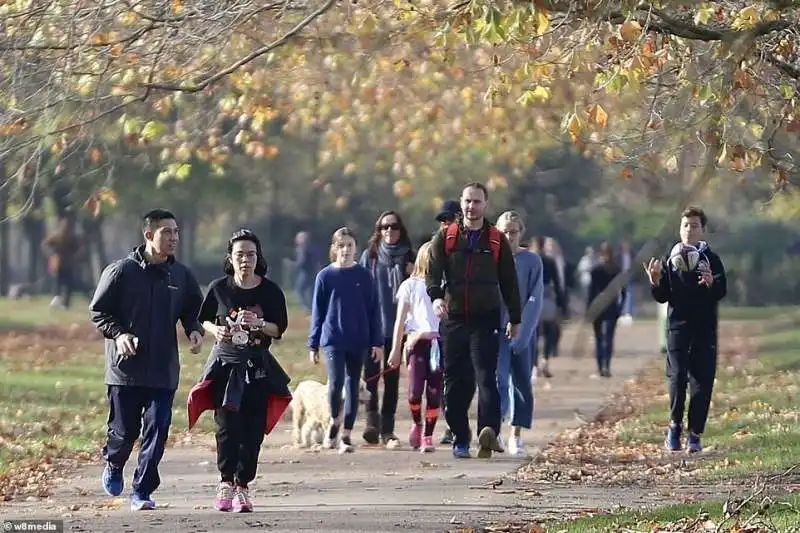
pixel 390 259
pixel 135 306
pixel 515 364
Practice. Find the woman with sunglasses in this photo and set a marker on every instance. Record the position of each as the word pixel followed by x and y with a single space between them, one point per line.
pixel 390 258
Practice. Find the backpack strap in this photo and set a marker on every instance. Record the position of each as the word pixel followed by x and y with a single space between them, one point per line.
pixel 450 237
pixel 494 242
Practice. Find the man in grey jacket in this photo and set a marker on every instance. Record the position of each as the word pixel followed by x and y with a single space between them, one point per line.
pixel 136 305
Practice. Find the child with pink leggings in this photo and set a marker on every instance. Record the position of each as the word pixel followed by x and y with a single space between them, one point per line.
pixel 416 319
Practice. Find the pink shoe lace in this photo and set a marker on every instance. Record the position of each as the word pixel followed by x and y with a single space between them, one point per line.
pixel 427 445
pixel 224 498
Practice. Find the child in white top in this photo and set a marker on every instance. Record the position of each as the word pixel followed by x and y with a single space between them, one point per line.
pixel 415 318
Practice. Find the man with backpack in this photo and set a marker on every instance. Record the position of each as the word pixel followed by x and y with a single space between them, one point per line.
pixel 476 260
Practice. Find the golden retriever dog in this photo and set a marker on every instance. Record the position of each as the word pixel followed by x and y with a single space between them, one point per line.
pixel 310 412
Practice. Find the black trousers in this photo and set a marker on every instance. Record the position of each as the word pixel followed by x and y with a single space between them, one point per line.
pixel 470 348
pixel 391 391
pixel 240 433
pixel 134 410
pixel 692 361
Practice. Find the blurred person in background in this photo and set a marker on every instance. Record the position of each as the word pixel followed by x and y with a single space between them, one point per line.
pixel 305 264
pixel 552 307
pixel 390 258
pixel 605 322
pixel 64 249
pixel 625 258
pixel 584 270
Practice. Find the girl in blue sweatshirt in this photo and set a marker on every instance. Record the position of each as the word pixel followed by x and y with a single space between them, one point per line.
pixel 346 324
pixel 515 362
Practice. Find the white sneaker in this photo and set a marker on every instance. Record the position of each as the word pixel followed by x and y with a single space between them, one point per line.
pixel 516 447
pixel 501 445
pixel 345 446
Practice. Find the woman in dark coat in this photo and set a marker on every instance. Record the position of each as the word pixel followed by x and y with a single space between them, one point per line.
pixel 605 323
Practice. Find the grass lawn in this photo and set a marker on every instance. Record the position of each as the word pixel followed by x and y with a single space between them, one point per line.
pixel 754 428
pixel 755 415
pixel 53 401
pixel 781 516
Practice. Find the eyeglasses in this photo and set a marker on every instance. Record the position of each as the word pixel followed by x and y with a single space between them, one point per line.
pixel 393 226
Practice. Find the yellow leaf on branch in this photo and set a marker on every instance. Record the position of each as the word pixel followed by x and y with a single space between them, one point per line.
pixel 598 115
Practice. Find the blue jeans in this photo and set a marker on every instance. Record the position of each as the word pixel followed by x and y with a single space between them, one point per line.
pixel 604 341
pixel 627 302
pixel 514 384
pixel 344 370
pixel 304 287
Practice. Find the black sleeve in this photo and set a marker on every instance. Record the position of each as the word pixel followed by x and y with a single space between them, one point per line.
pixel 210 306
pixel 436 269
pixel 192 301
pixel 105 303
pixel 275 303
pixel 720 286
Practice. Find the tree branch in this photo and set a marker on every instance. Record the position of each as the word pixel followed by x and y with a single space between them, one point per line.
pixel 784 66
pixel 199 86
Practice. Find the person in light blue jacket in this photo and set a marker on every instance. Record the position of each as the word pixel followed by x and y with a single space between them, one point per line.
pixel 515 363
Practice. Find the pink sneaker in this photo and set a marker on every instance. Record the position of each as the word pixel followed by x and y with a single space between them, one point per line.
pixel 224 499
pixel 427 445
pixel 415 436
pixel 241 501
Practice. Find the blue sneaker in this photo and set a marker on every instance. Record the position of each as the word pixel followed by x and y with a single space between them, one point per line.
pixel 461 451
pixel 112 479
pixel 141 502
pixel 673 440
pixel 693 443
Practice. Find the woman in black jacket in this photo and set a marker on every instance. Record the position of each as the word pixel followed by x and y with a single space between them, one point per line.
pixel 605 322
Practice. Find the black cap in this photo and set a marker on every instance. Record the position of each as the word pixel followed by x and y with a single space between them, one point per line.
pixel 450 209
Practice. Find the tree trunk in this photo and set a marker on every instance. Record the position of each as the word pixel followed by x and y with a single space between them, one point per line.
pixel 5 240
pixel 97 257
pixel 34 230
pixel 189 239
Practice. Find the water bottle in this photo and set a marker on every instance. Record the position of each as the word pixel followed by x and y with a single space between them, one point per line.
pixel 436 356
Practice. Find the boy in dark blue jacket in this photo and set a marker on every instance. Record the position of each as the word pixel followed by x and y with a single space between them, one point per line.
pixel 692 282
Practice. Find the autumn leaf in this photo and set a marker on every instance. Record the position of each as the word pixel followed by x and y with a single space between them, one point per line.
pixel 630 31
pixel 598 115
pixel 626 173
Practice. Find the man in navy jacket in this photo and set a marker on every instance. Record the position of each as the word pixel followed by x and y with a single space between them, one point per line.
pixel 136 305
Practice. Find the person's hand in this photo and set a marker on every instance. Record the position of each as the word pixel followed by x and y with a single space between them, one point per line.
pixel 126 345
pixel 395 358
pixel 313 356
pixel 377 353
pixel 512 330
pixel 250 320
pixel 440 308
pixel 195 342
pixel 706 276
pixel 653 270
pixel 222 333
